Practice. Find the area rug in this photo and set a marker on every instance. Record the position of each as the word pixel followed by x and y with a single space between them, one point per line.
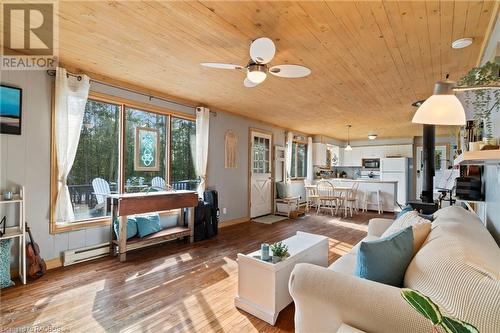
pixel 269 219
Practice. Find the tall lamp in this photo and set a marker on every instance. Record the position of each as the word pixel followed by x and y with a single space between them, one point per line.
pixel 442 108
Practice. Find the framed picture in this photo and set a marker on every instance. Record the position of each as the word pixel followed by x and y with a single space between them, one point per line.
pixel 147 154
pixel 10 109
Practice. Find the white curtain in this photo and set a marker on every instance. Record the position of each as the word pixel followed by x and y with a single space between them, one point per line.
pixel 70 98
pixel 309 168
pixel 288 156
pixel 202 126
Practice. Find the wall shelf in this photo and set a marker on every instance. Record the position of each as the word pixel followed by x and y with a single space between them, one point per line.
pixel 481 157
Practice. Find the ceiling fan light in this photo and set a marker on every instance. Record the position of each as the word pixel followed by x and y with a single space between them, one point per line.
pixel 372 136
pixel 256 76
pixel 442 108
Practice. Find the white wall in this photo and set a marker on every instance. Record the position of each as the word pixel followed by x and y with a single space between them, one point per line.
pixel 25 159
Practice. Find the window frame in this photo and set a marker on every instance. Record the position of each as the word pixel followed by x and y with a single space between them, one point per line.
pixel 294 167
pixel 54 227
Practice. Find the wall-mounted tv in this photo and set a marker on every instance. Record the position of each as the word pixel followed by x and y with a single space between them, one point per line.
pixel 10 109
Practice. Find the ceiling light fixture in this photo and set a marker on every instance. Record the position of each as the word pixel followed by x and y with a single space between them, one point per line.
pixel 442 108
pixel 256 73
pixel 461 43
pixel 372 136
pixel 348 147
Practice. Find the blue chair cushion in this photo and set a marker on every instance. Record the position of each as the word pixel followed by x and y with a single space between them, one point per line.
pixel 148 224
pixel 405 210
pixel 5 246
pixel 385 260
pixel 131 227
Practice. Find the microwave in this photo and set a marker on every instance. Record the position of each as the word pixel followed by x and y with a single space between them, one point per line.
pixel 370 163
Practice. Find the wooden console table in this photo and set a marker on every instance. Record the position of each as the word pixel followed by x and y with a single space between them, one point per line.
pixel 122 205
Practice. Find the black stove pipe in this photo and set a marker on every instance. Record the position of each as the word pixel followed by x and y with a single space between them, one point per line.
pixel 428 149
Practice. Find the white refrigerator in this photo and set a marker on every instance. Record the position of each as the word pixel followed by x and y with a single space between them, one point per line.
pixel 396 169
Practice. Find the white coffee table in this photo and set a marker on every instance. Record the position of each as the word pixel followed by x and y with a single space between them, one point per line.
pixel 263 286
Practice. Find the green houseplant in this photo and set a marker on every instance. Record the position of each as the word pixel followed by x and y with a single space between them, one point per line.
pixel 280 251
pixel 481 88
pixel 427 308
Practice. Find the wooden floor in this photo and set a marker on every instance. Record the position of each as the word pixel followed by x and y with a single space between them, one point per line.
pixel 172 287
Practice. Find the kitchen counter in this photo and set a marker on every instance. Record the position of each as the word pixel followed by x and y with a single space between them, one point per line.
pixel 364 180
pixel 388 191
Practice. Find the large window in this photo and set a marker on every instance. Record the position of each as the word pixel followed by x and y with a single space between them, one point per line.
pixel 96 160
pixel 299 160
pixel 124 148
pixel 182 148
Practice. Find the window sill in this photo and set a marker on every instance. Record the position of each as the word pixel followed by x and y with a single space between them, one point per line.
pixel 56 228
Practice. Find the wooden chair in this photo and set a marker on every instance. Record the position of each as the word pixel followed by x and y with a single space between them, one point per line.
pixel 327 199
pixel 101 191
pixel 312 195
pixel 158 183
pixel 351 200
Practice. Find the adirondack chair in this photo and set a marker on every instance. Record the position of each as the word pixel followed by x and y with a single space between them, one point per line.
pixel 158 182
pixel 101 191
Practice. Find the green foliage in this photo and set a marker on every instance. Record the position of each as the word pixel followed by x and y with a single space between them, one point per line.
pixel 280 249
pixel 423 304
pixel 453 325
pixel 427 308
pixel 484 101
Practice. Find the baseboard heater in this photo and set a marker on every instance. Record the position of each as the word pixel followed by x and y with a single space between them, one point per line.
pixel 76 256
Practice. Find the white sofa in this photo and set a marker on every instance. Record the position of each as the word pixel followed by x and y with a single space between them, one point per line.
pixel 458 267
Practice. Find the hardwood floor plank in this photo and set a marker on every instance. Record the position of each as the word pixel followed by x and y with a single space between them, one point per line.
pixel 174 287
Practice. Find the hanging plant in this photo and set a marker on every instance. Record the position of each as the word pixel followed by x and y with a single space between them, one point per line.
pixel 482 92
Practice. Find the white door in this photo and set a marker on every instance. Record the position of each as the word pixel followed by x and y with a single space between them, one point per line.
pixel 261 181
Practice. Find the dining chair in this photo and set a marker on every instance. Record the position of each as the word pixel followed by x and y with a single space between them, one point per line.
pixel 351 200
pixel 327 199
pixel 312 196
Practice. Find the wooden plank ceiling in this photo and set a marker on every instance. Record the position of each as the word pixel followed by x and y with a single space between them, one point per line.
pixel 369 60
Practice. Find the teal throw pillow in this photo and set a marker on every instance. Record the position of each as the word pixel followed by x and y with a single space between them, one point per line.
pixel 5 246
pixel 131 227
pixel 405 210
pixel 385 260
pixel 148 224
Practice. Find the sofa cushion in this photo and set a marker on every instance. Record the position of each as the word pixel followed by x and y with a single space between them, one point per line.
pixel 458 268
pixel 406 209
pixel 385 260
pixel 421 228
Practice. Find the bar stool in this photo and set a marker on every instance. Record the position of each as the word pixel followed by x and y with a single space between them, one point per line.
pixel 379 203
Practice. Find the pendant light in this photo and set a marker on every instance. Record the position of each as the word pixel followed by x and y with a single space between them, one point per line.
pixel 442 108
pixel 348 147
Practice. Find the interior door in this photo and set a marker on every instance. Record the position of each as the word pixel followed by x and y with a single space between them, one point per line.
pixel 261 182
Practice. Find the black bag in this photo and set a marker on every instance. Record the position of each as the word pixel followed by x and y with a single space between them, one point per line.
pixel 212 197
pixel 202 215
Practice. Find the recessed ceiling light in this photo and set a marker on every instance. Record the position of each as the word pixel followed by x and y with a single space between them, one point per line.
pixel 461 43
pixel 372 136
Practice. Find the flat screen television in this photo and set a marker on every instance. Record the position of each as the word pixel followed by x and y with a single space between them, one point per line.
pixel 10 109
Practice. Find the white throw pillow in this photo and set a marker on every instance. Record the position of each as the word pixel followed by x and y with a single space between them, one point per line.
pixel 421 228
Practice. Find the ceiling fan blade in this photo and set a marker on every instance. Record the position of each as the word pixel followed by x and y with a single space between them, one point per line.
pixel 262 50
pixel 290 71
pixel 220 65
pixel 249 84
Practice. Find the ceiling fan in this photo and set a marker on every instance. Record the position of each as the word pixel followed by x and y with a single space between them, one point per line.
pixel 262 51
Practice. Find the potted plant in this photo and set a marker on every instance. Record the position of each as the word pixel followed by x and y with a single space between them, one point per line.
pixel 427 308
pixel 481 92
pixel 280 252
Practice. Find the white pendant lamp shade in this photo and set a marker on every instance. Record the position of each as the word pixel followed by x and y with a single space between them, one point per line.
pixel 442 108
pixel 348 147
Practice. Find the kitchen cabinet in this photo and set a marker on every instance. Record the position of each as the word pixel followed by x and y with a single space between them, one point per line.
pixel 355 156
pixel 320 155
